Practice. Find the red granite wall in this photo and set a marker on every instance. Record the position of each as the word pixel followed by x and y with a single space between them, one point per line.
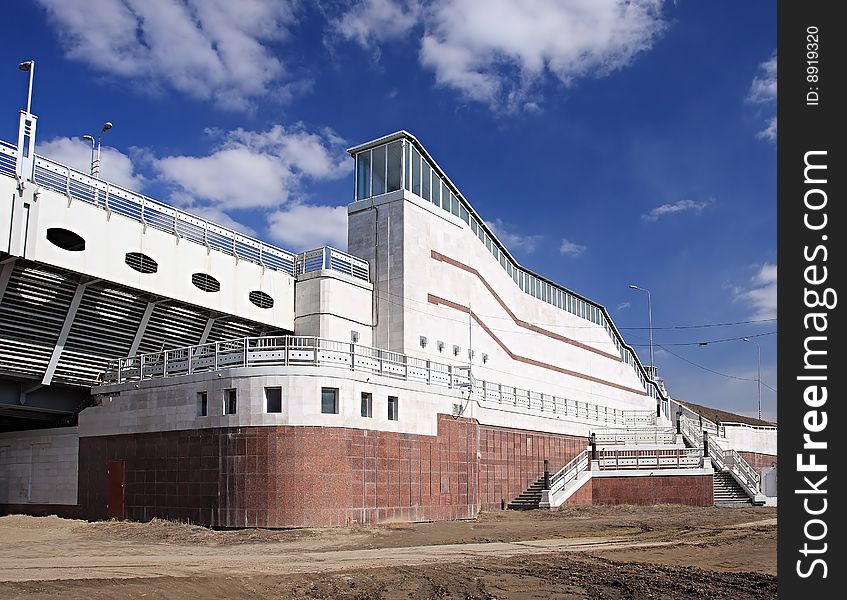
pixel 318 476
pixel 512 459
pixel 583 496
pixel 694 490
pixel 757 461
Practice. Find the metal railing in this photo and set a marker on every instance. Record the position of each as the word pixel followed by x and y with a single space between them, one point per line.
pixel 330 259
pixel 690 431
pixel 76 185
pixel 569 472
pixel 283 351
pixel 319 352
pixel 504 395
pixel 671 458
pixel 722 459
pixel 654 435
pixel 748 426
pixel 8 158
pixel 730 460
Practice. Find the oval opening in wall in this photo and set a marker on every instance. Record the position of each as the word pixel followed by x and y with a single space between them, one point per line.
pixel 207 283
pixel 141 262
pixel 261 299
pixel 65 239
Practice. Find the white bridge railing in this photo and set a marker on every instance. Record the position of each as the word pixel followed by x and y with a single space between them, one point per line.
pixel 311 351
pixel 670 458
pixel 76 185
pixel 654 435
pixel 8 158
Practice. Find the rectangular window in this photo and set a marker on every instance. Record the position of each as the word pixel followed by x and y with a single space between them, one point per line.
pixel 395 166
pixel 378 185
pixel 367 405
pixel 202 404
pixel 416 172
pixel 393 401
pixel 464 214
pixel 436 189
pixel 230 402
pixel 273 399
pixel 426 174
pixel 363 175
pixel 445 193
pixel 407 149
pixel 454 204
pixel 329 401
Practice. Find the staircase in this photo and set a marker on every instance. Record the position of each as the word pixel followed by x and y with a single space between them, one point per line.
pixel 728 492
pixel 529 498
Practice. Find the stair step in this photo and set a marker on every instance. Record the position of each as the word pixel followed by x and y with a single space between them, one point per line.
pixel 728 493
pixel 529 498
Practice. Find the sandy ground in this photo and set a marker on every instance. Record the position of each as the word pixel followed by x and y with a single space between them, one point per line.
pixel 586 552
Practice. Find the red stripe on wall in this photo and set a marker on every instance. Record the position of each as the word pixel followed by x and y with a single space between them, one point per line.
pixel 432 299
pixel 520 323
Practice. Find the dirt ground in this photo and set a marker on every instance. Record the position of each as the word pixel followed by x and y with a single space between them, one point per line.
pixel 622 552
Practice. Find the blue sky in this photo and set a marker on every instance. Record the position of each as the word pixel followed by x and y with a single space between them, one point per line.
pixel 607 142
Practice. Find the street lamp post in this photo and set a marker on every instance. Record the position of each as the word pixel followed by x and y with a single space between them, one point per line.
pixel 28 65
pixel 650 323
pixel 95 149
pixel 90 138
pixel 758 371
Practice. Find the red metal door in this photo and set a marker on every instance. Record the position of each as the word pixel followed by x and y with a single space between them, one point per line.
pixel 115 489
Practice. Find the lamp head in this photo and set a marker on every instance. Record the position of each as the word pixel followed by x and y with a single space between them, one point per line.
pixel 704 343
pixel 107 126
pixel 88 138
pixel 632 286
pixel 746 339
pixel 26 65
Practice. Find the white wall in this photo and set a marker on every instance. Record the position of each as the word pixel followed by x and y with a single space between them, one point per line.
pixel 171 404
pixel 109 237
pixel 749 439
pixel 331 305
pixel 421 228
pixel 39 466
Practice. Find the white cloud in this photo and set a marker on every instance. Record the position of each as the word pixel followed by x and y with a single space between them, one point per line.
pixel 219 217
pixel 115 166
pixel 206 49
pixel 676 207
pixel 761 293
pixel 769 132
pixel 497 50
pixel 763 91
pixel 569 248
pixel 372 21
pixel 763 88
pixel 514 241
pixel 251 169
pixel 624 305
pixel 303 226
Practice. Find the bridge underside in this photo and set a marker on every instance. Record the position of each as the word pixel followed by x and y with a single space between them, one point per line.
pixel 59 329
